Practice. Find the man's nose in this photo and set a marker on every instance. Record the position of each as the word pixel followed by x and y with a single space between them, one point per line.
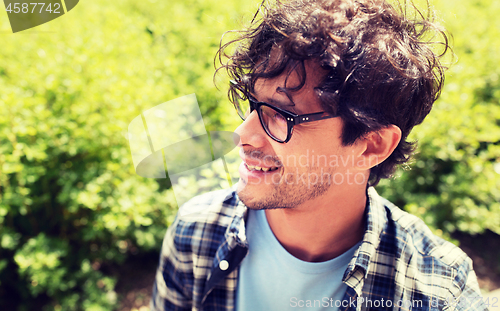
pixel 250 132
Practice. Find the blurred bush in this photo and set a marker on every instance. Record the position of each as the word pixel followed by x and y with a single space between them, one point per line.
pixel 454 181
pixel 71 204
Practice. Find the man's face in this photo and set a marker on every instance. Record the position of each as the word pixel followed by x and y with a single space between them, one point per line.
pixel 312 164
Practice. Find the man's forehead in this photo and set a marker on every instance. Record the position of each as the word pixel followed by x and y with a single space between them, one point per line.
pixel 294 82
pixel 308 72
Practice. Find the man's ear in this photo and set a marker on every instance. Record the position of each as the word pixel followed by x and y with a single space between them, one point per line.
pixel 379 145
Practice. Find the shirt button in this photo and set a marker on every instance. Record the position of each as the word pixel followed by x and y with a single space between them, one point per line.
pixel 223 265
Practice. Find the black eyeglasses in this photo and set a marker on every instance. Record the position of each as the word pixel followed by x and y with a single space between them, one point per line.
pixel 277 123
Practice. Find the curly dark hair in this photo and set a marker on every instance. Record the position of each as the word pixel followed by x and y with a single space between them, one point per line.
pixel 382 69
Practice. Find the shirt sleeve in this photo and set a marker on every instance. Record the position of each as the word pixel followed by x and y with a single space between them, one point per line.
pixel 470 299
pixel 172 290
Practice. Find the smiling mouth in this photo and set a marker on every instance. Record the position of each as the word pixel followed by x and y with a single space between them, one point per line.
pixel 258 168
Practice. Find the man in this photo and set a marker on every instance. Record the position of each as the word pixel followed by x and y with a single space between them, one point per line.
pixel 329 91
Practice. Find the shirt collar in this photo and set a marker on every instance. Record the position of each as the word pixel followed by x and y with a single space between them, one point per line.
pixel 236 230
pixel 376 221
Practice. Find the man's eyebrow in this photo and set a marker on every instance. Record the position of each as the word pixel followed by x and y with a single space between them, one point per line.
pixel 286 105
pixel 280 102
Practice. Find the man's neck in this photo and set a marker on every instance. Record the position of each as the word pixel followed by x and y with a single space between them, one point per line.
pixel 323 228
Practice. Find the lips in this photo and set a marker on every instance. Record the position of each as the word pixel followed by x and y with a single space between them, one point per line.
pixel 256 162
pixel 258 168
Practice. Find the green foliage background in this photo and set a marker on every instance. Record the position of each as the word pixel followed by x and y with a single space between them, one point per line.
pixel 70 201
pixel 454 181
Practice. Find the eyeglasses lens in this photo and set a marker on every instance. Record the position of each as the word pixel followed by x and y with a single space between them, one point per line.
pixel 242 105
pixel 244 109
pixel 275 122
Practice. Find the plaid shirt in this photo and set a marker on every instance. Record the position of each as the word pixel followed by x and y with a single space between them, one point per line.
pixel 399 265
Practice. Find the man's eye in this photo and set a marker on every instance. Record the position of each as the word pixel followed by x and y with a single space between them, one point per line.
pixel 278 117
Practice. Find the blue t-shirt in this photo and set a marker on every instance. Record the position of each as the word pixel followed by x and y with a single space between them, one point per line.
pixel 272 279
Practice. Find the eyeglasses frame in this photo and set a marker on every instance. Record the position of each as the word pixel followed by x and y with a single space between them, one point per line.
pixel 292 119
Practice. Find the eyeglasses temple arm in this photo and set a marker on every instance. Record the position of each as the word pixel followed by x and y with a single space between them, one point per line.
pixel 314 117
